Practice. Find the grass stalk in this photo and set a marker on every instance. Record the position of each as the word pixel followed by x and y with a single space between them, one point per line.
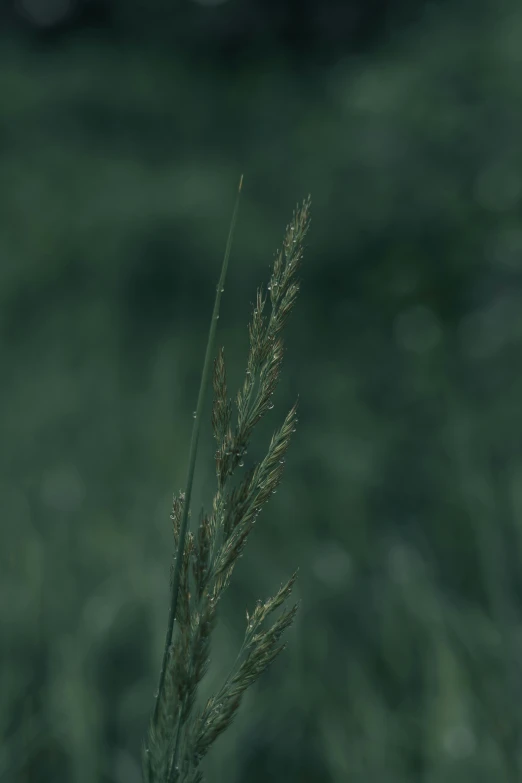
pixel 178 738
pixel 203 386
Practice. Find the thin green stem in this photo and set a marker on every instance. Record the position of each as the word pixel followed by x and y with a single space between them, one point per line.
pixel 192 455
pixel 173 773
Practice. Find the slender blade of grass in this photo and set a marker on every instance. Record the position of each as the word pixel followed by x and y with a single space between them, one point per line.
pixel 192 454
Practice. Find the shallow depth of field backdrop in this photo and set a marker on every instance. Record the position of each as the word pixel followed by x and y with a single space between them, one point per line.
pixel 124 127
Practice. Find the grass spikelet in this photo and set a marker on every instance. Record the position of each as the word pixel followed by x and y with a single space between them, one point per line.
pixel 179 737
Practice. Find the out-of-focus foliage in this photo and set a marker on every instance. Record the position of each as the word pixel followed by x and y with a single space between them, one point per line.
pixel 214 27
pixel 402 499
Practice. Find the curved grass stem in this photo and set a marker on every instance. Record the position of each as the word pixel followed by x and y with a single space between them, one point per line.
pixel 192 455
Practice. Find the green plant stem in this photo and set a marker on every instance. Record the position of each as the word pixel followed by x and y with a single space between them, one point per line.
pixel 192 455
pixel 173 773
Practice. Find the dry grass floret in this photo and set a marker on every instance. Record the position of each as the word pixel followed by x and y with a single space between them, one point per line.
pixel 179 737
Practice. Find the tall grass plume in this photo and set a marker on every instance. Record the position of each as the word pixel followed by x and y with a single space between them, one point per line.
pixel 179 735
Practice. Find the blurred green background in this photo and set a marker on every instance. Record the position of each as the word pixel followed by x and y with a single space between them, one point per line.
pixel 124 127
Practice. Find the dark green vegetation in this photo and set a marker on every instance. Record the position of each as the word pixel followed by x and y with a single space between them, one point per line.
pixel 403 498
pixel 179 736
